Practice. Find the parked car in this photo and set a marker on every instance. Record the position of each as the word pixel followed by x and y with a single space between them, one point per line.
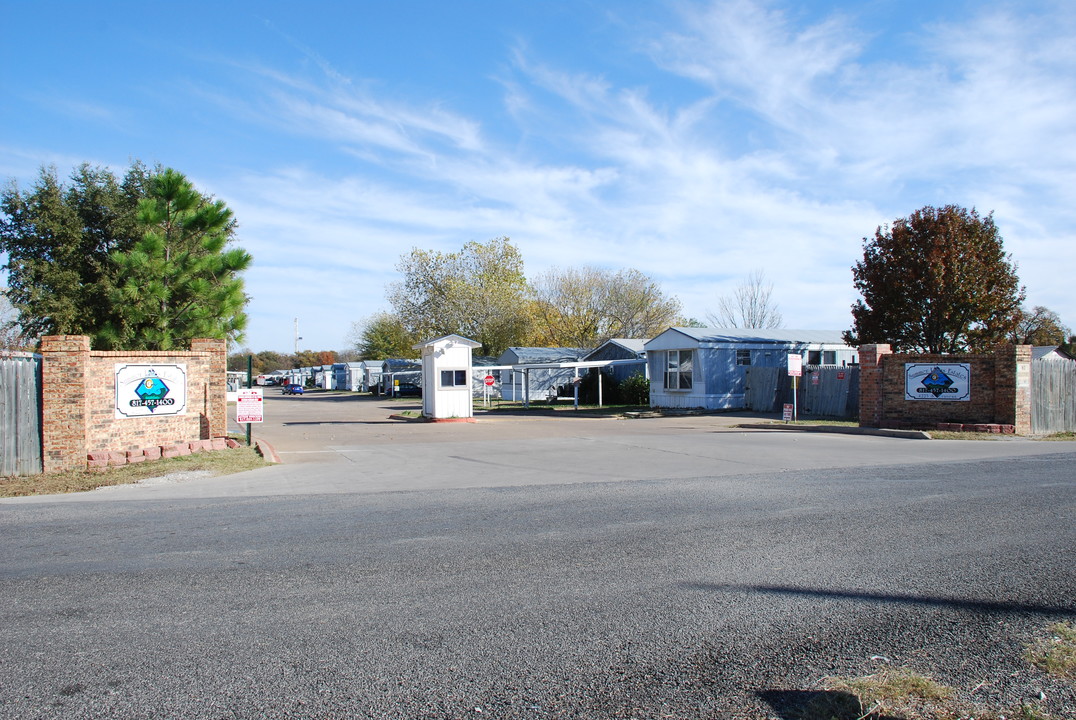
pixel 292 389
pixel 407 389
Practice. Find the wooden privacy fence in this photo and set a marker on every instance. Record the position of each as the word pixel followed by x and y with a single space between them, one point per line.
pixel 823 391
pixel 1053 396
pixel 20 414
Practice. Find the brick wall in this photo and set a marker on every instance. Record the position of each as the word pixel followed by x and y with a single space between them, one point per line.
pixel 79 398
pixel 1000 391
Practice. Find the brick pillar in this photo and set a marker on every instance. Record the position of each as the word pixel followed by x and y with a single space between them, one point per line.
pixel 214 394
pixel 1012 387
pixel 871 372
pixel 64 359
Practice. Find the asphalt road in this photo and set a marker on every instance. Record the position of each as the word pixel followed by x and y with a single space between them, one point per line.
pixel 538 568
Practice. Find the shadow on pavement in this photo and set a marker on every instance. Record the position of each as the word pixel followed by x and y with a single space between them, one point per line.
pixel 816 704
pixel 984 606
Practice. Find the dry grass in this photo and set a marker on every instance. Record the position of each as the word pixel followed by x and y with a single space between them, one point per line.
pixel 901 693
pixel 951 435
pixel 1056 653
pixel 898 691
pixel 217 462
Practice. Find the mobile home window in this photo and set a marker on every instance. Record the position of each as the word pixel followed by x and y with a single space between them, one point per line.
pixel 829 357
pixel 678 370
pixel 743 357
pixel 453 378
pixel 814 357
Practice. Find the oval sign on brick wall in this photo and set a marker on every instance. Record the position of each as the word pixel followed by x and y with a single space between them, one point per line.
pixel 151 390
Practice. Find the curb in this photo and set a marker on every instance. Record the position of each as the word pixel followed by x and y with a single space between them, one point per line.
pixel 266 451
pixel 879 432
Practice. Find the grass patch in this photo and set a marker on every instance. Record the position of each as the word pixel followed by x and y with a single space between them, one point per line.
pixel 952 435
pixel 541 406
pixel 218 462
pixel 892 690
pixel 902 693
pixel 1061 436
pixel 1056 653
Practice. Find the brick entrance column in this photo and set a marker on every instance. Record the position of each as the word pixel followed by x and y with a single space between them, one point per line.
pixel 64 359
pixel 215 409
pixel 1012 387
pixel 870 384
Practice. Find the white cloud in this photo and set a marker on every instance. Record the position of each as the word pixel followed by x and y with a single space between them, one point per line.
pixel 785 142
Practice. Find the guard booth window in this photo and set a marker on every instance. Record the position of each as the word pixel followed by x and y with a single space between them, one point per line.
pixel 454 378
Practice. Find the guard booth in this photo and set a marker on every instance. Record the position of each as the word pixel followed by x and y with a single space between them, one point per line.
pixel 446 377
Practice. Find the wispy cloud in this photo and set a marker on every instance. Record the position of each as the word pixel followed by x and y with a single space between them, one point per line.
pixel 796 139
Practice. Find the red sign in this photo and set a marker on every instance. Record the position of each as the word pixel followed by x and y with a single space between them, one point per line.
pixel 840 374
pixel 489 380
pixel 786 415
pixel 249 407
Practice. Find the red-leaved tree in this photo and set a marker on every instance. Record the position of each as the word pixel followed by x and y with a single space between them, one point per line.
pixel 938 281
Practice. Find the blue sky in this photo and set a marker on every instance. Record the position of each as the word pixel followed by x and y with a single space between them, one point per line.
pixel 695 141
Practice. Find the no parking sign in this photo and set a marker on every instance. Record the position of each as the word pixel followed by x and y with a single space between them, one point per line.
pixel 249 407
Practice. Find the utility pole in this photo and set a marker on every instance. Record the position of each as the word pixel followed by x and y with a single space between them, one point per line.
pixel 297 338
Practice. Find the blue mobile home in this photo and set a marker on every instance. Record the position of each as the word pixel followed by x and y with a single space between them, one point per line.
pixel 622 349
pixel 707 367
pixel 347 376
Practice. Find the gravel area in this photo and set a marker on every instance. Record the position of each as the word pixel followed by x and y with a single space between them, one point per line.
pixel 172 478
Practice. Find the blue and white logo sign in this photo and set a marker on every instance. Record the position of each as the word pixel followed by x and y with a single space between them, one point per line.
pixel 937 381
pixel 151 390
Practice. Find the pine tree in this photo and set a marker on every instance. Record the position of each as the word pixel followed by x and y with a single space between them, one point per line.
pixel 180 280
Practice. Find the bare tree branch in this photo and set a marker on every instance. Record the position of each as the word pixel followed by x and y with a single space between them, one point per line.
pixel 749 306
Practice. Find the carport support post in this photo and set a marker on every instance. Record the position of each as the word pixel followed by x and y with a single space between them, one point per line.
pixel 575 390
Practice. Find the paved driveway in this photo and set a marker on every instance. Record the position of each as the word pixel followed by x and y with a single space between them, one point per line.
pixel 538 568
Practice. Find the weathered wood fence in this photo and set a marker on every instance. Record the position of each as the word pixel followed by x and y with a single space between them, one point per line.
pixel 1053 396
pixel 20 414
pixel 823 391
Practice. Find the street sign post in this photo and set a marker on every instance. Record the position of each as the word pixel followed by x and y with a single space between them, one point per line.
pixel 795 370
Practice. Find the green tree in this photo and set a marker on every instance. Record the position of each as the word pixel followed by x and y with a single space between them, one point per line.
pixel 1039 326
pixel 306 358
pixel 262 362
pixel 584 307
pixel 938 281
pixel 382 336
pixel 479 292
pixel 58 239
pixel 180 280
